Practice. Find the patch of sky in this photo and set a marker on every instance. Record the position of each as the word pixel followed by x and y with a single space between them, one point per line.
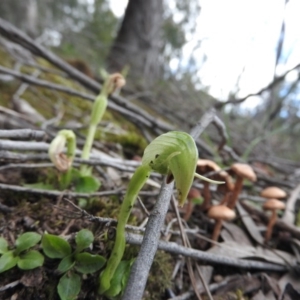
pixel 234 44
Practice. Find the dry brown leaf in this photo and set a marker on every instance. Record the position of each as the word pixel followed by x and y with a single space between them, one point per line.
pixel 258 296
pixel 275 256
pixel 245 283
pixel 285 280
pixel 232 232
pixel 233 249
pixel 273 284
pixel 206 272
pixel 250 224
pixel 289 213
pixel 270 296
pixel 238 250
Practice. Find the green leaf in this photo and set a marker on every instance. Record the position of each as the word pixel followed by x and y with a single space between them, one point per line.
pixel 75 174
pixel 69 286
pixel 83 239
pixel 117 281
pixel 3 245
pixel 8 261
pixel 55 246
pixel 32 259
pixel 40 186
pixel 66 264
pixel 127 273
pixel 87 184
pixel 26 241
pixel 88 263
pixel 65 179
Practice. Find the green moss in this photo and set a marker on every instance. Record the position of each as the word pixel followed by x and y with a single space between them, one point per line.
pixel 50 102
pixel 160 276
pixel 5 59
pixel 131 141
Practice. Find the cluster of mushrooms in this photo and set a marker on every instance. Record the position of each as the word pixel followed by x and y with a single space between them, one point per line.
pixel 224 211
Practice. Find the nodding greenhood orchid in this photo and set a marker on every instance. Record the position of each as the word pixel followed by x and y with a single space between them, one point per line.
pixel 174 154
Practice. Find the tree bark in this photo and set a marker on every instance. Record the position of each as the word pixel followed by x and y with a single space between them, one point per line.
pixel 139 42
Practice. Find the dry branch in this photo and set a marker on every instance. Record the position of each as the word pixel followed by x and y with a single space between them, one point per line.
pixel 271 85
pixel 22 134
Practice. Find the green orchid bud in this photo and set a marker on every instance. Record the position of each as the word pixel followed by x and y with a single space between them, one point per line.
pixel 174 154
pixel 112 82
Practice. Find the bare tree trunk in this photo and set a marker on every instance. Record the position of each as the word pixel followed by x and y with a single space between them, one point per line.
pixel 32 16
pixel 139 41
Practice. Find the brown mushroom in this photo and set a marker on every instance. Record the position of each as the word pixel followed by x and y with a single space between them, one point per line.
pixel 193 194
pixel 220 213
pixel 205 166
pixel 273 192
pixel 241 171
pixel 273 205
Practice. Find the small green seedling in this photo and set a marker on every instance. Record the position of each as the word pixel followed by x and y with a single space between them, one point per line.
pixel 86 183
pixel 112 82
pixel 21 256
pixel 83 179
pixel 174 154
pixel 72 262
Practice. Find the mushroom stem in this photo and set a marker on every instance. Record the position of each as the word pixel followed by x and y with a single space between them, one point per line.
pixel 271 224
pixel 206 196
pixel 217 229
pixel 235 194
pixel 226 198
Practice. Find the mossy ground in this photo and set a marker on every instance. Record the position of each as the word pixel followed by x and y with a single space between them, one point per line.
pixel 32 212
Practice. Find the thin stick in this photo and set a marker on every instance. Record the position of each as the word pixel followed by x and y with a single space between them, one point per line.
pixel 174 248
pixel 140 269
pixel 185 242
pixel 22 134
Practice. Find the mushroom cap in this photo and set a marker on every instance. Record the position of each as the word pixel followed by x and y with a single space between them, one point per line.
pixel 221 212
pixel 244 171
pixel 206 165
pixel 273 204
pixel 273 192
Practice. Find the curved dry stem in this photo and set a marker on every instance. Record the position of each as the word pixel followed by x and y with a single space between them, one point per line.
pixel 207 179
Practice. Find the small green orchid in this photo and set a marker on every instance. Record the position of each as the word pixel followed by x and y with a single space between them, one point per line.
pixel 174 154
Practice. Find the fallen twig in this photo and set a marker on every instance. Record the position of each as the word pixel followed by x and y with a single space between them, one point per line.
pixel 174 248
pixel 22 134
pixel 271 85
